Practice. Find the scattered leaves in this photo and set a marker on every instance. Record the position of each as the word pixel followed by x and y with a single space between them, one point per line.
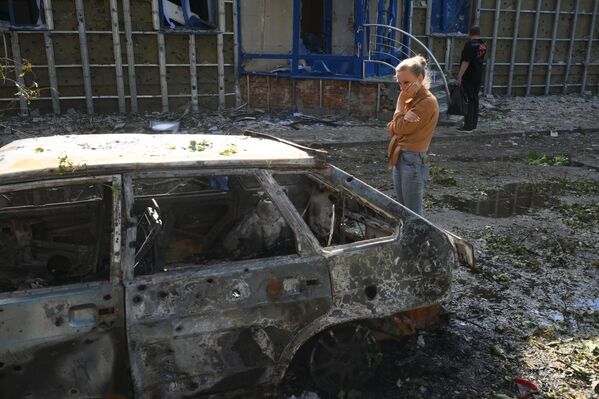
pixel 201 146
pixel 230 150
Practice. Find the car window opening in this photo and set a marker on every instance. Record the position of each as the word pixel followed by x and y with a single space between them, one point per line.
pixel 334 215
pixel 55 236
pixel 206 220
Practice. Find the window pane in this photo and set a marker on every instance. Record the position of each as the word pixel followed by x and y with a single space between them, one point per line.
pixel 334 215
pixel 206 220
pixel 55 236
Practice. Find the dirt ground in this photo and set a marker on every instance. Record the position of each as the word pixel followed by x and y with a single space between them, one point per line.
pixel 524 189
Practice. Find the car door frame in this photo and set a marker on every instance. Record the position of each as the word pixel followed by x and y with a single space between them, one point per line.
pixel 308 260
pixel 74 333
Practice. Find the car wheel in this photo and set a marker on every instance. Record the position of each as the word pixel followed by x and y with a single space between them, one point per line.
pixel 343 357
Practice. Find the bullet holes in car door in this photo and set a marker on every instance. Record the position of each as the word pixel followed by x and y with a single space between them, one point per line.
pixel 205 220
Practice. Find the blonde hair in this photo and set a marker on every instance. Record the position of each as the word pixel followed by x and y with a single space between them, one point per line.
pixel 417 66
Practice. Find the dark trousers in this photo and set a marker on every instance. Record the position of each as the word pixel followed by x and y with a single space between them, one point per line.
pixel 471 117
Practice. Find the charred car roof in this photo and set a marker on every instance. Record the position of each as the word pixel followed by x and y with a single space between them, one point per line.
pixel 106 153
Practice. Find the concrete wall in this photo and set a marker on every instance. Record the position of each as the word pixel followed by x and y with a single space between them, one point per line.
pixel 177 86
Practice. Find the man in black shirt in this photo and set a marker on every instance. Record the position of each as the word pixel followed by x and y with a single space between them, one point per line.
pixel 471 74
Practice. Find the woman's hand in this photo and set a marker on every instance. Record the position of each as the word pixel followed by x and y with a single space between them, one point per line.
pixel 411 116
pixel 411 90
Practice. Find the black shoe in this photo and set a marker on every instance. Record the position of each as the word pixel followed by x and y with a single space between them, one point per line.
pixel 465 129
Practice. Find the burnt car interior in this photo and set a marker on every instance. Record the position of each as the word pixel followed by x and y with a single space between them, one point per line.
pixel 334 215
pixel 185 221
pixel 55 236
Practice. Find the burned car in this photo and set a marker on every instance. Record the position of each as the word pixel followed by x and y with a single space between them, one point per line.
pixel 169 266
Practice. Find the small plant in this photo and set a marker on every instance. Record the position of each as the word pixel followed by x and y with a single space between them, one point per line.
pixel 545 160
pixel 8 67
pixel 201 146
pixel 39 149
pixel 65 165
pixel 230 150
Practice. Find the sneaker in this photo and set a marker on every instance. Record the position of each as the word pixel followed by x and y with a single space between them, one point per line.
pixel 465 129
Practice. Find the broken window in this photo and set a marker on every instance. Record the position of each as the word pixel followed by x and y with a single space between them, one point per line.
pixel 205 220
pixel 21 13
pixel 315 26
pixel 55 236
pixel 188 14
pixel 334 215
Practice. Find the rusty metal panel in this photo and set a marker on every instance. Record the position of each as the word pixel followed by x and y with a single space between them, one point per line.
pixel 379 279
pixel 62 337
pixel 213 329
pixel 63 342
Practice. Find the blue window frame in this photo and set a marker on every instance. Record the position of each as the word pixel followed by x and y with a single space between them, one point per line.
pixel 311 46
pixel 22 14
pixel 197 15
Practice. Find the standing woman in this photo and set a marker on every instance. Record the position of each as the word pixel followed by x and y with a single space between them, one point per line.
pixel 411 130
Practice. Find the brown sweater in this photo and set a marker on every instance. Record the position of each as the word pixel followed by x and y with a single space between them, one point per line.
pixel 412 136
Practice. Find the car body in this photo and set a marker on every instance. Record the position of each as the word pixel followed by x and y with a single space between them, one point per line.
pixel 182 265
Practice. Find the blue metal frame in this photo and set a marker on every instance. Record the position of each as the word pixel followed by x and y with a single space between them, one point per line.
pixel 328 26
pixel 351 64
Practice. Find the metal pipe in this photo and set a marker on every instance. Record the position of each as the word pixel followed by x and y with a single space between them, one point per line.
pixel 349 97
pixel 50 56
pixel 489 87
pixel 220 54
pixel 268 93
pixel 426 49
pixel 551 51
pixel 429 12
pixel 447 55
pixel 378 99
pixel 514 46
pixel 193 73
pixel 38 66
pixel 116 44
pixel 114 97
pixel 130 54
pixel 320 95
pixel 16 55
pixel 533 48
pixel 477 12
pixel 570 48
pixel 236 48
pixel 248 89
pixel 451 48
pixel 161 56
pixel 177 32
pixel 587 58
pixel 87 82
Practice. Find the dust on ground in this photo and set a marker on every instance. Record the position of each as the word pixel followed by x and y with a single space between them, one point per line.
pixel 528 202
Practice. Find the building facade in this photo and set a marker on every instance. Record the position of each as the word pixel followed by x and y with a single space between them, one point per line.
pixel 307 55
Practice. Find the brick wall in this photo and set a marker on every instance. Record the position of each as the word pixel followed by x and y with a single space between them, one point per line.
pixel 358 99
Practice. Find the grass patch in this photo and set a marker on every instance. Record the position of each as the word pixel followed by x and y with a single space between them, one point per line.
pixel 546 160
